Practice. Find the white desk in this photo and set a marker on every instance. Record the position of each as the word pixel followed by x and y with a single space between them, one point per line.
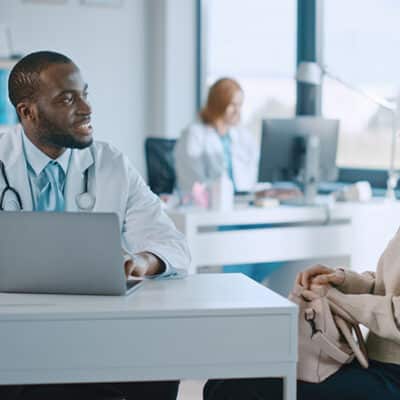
pixel 291 233
pixel 205 326
pixel 350 234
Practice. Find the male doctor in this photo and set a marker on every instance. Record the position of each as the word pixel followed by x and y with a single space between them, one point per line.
pixel 51 163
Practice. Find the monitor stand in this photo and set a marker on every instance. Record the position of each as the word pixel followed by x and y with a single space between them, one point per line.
pixel 311 169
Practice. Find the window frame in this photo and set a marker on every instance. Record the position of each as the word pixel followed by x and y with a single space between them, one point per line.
pixel 309 47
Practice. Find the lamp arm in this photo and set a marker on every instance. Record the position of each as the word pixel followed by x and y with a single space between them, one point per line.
pixel 388 105
pixel 392 167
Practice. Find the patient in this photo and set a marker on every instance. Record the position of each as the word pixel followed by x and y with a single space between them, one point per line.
pixel 371 298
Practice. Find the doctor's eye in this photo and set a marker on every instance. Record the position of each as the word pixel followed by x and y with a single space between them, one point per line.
pixel 68 99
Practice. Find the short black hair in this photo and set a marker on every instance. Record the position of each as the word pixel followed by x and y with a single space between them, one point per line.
pixel 24 81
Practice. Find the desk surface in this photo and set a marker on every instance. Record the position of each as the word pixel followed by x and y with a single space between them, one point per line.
pixel 261 235
pixel 257 215
pixel 354 233
pixel 205 294
pixel 283 212
pixel 204 326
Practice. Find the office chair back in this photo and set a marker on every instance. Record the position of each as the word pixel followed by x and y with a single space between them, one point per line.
pixel 160 164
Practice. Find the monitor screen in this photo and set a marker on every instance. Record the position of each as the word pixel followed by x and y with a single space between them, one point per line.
pixel 283 148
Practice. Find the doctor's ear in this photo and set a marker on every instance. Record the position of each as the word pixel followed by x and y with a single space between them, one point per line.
pixel 27 111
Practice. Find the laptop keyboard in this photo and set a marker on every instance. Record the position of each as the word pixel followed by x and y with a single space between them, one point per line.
pixel 131 283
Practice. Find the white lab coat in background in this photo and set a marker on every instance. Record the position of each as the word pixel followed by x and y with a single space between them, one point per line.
pixel 118 188
pixel 199 156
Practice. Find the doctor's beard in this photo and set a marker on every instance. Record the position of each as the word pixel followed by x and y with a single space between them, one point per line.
pixel 51 133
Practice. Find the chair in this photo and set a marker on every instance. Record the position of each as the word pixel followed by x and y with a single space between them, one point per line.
pixel 160 164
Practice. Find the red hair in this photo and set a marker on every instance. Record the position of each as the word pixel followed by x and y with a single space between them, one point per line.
pixel 219 97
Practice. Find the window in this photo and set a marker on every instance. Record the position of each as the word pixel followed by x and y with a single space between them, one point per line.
pixel 254 42
pixel 361 47
pixel 7 112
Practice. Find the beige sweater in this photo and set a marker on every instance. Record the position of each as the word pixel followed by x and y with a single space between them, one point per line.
pixel 374 300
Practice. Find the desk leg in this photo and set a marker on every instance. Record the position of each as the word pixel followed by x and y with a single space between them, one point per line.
pixel 289 384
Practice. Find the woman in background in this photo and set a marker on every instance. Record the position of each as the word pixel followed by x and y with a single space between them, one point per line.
pixel 216 143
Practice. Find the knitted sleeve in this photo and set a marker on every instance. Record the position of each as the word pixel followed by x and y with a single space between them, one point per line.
pixel 381 314
pixel 355 283
pixel 378 305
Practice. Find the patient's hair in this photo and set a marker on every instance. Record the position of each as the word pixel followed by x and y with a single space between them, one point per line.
pixel 24 80
pixel 219 97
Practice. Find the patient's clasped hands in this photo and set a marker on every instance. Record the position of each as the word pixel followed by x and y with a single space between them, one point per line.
pixel 319 275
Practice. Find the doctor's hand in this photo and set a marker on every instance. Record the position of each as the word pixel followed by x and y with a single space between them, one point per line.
pixel 320 275
pixel 279 193
pixel 142 264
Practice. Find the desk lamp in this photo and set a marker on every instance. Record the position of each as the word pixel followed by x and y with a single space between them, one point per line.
pixel 312 73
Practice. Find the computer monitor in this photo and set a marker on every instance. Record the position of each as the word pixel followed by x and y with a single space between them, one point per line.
pixel 283 148
pixel 300 149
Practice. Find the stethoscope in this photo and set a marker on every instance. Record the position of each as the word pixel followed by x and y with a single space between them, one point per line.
pixel 85 201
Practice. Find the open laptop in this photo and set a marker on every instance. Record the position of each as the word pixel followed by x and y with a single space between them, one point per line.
pixel 63 253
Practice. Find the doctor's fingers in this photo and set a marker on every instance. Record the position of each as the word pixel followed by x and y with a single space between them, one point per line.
pixel 137 269
pixel 128 266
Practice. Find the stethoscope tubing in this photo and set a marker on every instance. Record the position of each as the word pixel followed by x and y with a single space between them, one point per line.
pixel 89 198
pixel 8 188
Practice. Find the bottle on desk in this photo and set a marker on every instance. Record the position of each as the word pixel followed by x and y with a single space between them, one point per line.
pixel 222 194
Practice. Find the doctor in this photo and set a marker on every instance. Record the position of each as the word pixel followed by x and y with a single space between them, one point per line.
pixel 217 143
pixel 51 163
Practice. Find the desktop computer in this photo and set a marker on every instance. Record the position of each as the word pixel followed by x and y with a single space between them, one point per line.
pixel 300 150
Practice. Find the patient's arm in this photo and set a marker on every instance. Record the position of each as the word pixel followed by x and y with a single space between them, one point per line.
pixel 356 283
pixel 379 313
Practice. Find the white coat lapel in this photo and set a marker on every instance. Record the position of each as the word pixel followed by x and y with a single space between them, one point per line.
pixel 12 155
pixel 81 160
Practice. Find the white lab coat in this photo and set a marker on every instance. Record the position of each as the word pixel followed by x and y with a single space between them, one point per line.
pixel 199 156
pixel 118 188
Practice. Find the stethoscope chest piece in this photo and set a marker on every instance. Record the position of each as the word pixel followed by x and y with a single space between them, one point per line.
pixel 85 201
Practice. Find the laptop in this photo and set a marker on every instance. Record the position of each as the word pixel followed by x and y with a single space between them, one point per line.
pixel 62 253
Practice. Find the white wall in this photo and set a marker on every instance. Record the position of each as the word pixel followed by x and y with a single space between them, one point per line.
pixel 108 46
pixel 171 55
pixel 180 74
pixel 139 61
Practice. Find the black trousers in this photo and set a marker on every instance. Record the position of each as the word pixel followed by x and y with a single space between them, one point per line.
pixel 93 391
pixel 381 381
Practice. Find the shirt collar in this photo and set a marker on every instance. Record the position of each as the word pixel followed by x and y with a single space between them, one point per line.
pixel 38 160
pixel 226 138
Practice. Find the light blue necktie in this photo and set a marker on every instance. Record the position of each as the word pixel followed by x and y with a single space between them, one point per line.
pixel 51 197
pixel 227 146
